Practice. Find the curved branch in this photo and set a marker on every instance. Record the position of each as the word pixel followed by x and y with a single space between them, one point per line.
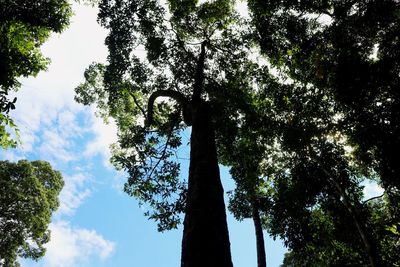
pixel 372 198
pixel 178 96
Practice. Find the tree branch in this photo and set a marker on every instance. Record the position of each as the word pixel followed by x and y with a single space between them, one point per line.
pixel 350 208
pixel 372 198
pixel 163 153
pixel 137 104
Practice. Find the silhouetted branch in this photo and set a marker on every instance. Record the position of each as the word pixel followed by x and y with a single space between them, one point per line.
pixel 372 198
pixel 137 104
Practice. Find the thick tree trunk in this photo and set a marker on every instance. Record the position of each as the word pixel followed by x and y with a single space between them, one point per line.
pixel 261 259
pixel 205 240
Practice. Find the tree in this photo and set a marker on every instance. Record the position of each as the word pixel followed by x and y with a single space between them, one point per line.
pixel 245 152
pixel 196 57
pixel 313 171
pixel 28 197
pixel 350 51
pixel 24 26
pixel 315 194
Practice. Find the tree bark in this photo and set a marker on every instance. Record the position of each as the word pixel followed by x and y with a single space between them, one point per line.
pixel 205 241
pixel 261 259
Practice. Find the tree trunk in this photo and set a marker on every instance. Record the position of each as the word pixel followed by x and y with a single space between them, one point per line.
pixel 205 241
pixel 261 259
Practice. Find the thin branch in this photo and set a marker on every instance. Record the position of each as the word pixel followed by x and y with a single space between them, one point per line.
pixel 164 151
pixel 137 103
pixel 350 208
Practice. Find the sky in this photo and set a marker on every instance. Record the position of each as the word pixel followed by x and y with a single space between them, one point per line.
pixel 97 224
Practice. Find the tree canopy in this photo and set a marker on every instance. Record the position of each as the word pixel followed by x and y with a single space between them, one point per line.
pixel 349 51
pixel 122 88
pixel 28 197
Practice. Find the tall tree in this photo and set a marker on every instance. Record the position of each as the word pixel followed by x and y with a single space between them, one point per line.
pixel 342 251
pixel 316 173
pixel 195 56
pixel 28 197
pixel 248 198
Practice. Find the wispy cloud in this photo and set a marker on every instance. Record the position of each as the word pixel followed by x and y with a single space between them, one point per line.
pixel 75 191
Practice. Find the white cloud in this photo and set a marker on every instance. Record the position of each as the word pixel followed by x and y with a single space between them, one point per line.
pixel 51 94
pixel 67 124
pixel 75 191
pixel 53 145
pixel 10 156
pixel 72 247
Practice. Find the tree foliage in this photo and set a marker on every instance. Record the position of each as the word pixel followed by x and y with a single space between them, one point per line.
pixel 335 245
pixel 349 50
pixel 28 197
pixel 196 55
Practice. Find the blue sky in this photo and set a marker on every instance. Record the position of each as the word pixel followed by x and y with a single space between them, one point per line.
pixel 97 224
